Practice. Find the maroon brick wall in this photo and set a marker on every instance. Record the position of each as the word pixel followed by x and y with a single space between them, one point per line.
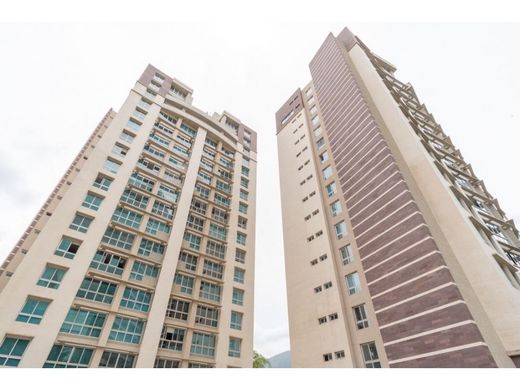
pixel 389 229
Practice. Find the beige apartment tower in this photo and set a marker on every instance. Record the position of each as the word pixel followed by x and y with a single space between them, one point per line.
pixel 396 255
pixel 143 255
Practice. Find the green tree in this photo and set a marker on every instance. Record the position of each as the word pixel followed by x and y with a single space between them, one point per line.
pixel 260 361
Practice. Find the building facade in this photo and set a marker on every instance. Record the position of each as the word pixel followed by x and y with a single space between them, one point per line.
pixel 396 255
pixel 143 255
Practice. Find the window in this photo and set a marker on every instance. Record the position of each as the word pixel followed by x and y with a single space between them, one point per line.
pixel 331 189
pixel 219 215
pixel 117 360
pixel 51 277
pixel 118 238
pixel 142 270
pixel 339 354
pixel 147 247
pixel 102 182
pixel 133 125
pixel 240 256
pixel 32 311
pixel 241 238
pixel 83 322
pixel 221 200
pixel 135 299
pixel 92 201
pixel 202 191
pixel 154 226
pixel 370 356
pixel 127 217
pixel 333 316
pixel 68 356
pixel 245 171
pixel 163 210
pixel 198 206
pixel 353 283
pixel 80 223
pixel 97 290
pixel 217 232
pixel 327 285
pixel 172 338
pixel 178 309
pixel 111 166
pixel 192 240
pixel 126 330
pixel 195 223
pixel 236 320
pixel 242 222
pixel 341 229
pixel 108 262
pixel 120 150
pixel 315 120
pixel 360 315
pixel 213 269
pixel 11 351
pixel 317 131
pixel 206 316
pixel 327 173
pixel 210 142
pixel 335 208
pixel 327 357
pixel 346 254
pixel 142 182
pixel 210 291
pixel 215 249
pixel 244 182
pixel 314 262
pixel 167 193
pixel 126 136
pixel 242 207
pixel 185 282
pixel 320 143
pixel 67 248
pixel 152 150
pixel 324 157
pixel 188 130
pixel 238 297
pixel 135 199
pixel 189 261
pixel 239 275
pixel 166 363
pixel 234 347
pixel 203 344
pixel 149 165
pixel 318 289
pixel 244 195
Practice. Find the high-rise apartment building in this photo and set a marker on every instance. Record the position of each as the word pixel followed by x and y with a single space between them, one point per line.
pixel 143 255
pixel 396 255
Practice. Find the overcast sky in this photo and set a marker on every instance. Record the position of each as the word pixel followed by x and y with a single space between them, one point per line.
pixel 60 79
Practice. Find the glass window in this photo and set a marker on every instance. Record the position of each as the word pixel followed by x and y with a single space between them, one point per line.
pixel 168 193
pixel 324 157
pixel 243 195
pixel 135 299
pixel 215 249
pixel 242 207
pixel 327 172
pixel 68 356
pixel 213 269
pixel 102 182
pixel 108 262
pixel 195 223
pixel 126 136
pixel 207 316
pixel 234 347
pixel 192 240
pixel 172 338
pixel 117 360
pixel 33 310
pixel 92 201
pixel 83 322
pixel 335 208
pixel 141 270
pixel 135 199
pixel 331 189
pixel 242 222
pixel 147 247
pixel 188 261
pixel 360 315
pixel 80 223
pixel 166 363
pixel 118 238
pixel 346 254
pixel 97 290
pixel 217 231
pixel 51 277
pixel 353 283
pixel 133 125
pixel 126 330
pixel 120 150
pixel 127 217
pixel 238 297
pixel 178 309
pixel 163 210
pixel 198 206
pixel 154 226
pixel 221 200
pixel 317 131
pixel 240 256
pixel 341 229
pixel 203 344
pixel 209 291
pixel 185 282
pixel 239 275
pixel 142 182
pixel 111 166
pixel 320 143
pixel 236 320
pixel 11 351
pixel 241 238
pixel 67 248
pixel 370 356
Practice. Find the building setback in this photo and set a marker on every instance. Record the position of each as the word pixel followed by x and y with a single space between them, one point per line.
pixel 396 255
pixel 143 255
